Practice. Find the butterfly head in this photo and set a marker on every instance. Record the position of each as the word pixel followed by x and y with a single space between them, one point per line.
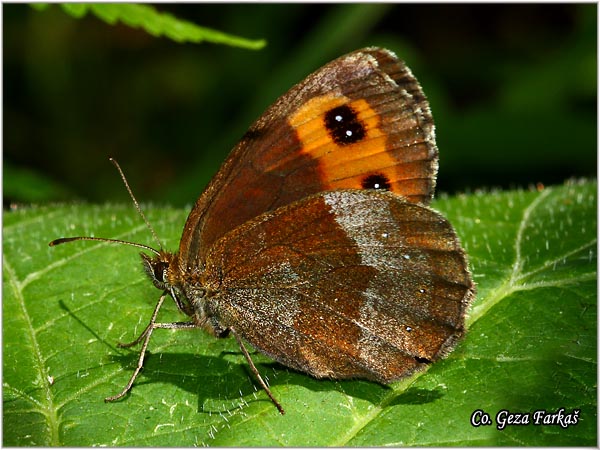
pixel 162 270
pixel 157 269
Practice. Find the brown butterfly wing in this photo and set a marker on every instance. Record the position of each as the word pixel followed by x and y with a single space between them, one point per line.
pixel 344 284
pixel 300 146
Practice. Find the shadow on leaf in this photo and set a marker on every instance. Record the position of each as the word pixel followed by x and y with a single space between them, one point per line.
pixel 222 385
pixel 418 396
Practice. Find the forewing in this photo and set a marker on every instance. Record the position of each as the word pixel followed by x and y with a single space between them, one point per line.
pixel 301 146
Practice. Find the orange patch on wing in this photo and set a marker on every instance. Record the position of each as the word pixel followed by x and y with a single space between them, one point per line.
pixel 344 166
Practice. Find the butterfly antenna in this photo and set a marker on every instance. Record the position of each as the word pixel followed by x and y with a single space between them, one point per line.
pixel 135 202
pixel 90 238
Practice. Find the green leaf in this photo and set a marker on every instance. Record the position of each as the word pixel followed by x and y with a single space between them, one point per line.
pixel 531 343
pixel 158 24
pixel 78 10
pixel 40 6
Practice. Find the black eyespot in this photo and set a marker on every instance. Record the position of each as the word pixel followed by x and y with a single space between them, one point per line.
pixel 344 126
pixel 376 181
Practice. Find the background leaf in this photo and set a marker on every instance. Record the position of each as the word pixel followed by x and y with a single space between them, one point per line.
pixel 157 24
pixel 531 343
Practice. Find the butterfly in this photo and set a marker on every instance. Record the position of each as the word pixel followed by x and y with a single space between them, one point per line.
pixel 314 242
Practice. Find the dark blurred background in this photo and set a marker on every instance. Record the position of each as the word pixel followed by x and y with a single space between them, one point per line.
pixel 512 89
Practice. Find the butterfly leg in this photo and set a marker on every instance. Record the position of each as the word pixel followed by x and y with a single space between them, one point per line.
pixel 255 372
pixel 138 339
pixel 145 336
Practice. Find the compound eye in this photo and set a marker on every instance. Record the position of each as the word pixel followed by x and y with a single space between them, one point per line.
pixel 159 271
